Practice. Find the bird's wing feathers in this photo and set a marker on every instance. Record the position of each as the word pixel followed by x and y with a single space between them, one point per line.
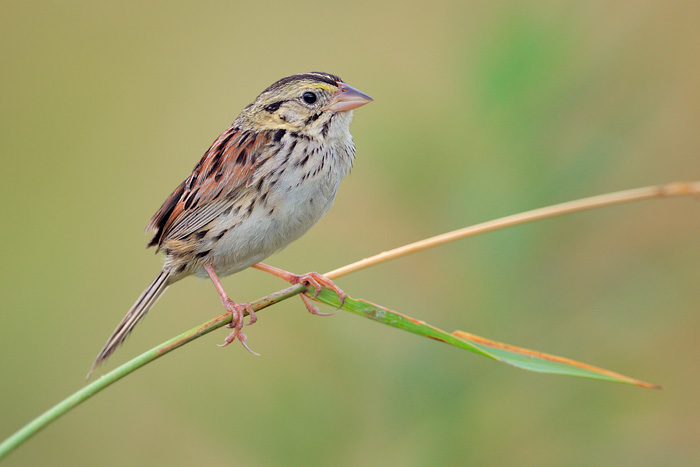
pixel 225 168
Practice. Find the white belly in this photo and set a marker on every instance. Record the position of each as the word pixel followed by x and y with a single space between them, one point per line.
pixel 291 209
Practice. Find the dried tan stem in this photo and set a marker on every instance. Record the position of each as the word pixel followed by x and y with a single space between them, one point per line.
pixel 637 194
pixel 672 189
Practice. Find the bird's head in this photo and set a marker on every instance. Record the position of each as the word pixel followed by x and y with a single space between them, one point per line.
pixel 314 104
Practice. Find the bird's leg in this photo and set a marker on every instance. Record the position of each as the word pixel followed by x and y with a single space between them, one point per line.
pixel 313 279
pixel 237 311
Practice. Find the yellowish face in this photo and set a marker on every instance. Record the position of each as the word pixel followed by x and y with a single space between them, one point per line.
pixel 293 105
pixel 305 103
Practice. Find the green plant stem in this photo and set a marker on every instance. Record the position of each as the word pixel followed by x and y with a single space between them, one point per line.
pixel 658 191
pixel 91 389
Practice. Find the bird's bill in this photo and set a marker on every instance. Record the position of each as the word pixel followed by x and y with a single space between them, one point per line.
pixel 348 98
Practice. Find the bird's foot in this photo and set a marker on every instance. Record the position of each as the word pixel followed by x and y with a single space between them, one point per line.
pixel 318 281
pixel 310 279
pixel 237 311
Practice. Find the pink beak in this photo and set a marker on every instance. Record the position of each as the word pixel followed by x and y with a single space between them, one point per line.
pixel 348 98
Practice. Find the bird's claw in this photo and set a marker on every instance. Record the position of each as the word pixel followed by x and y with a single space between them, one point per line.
pixel 310 279
pixel 313 309
pixel 237 311
pixel 318 281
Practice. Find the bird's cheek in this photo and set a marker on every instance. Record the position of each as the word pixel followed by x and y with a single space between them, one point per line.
pixel 285 116
pixel 290 118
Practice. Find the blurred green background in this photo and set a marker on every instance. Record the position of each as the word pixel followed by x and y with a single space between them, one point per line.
pixel 482 109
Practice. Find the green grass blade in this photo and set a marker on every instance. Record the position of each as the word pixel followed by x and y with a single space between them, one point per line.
pixel 516 356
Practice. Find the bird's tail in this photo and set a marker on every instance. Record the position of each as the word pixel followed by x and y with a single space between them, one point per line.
pixel 147 299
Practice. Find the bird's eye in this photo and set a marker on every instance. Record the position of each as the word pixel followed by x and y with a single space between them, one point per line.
pixel 309 97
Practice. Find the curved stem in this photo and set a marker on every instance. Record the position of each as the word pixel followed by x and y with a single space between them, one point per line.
pixel 618 197
pixel 132 365
pixel 658 191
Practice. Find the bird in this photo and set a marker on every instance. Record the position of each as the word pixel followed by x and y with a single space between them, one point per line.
pixel 263 183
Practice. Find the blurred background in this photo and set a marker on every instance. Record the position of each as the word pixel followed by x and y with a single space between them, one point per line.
pixel 482 109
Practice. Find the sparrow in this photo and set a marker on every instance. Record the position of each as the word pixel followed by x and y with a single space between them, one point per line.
pixel 264 182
